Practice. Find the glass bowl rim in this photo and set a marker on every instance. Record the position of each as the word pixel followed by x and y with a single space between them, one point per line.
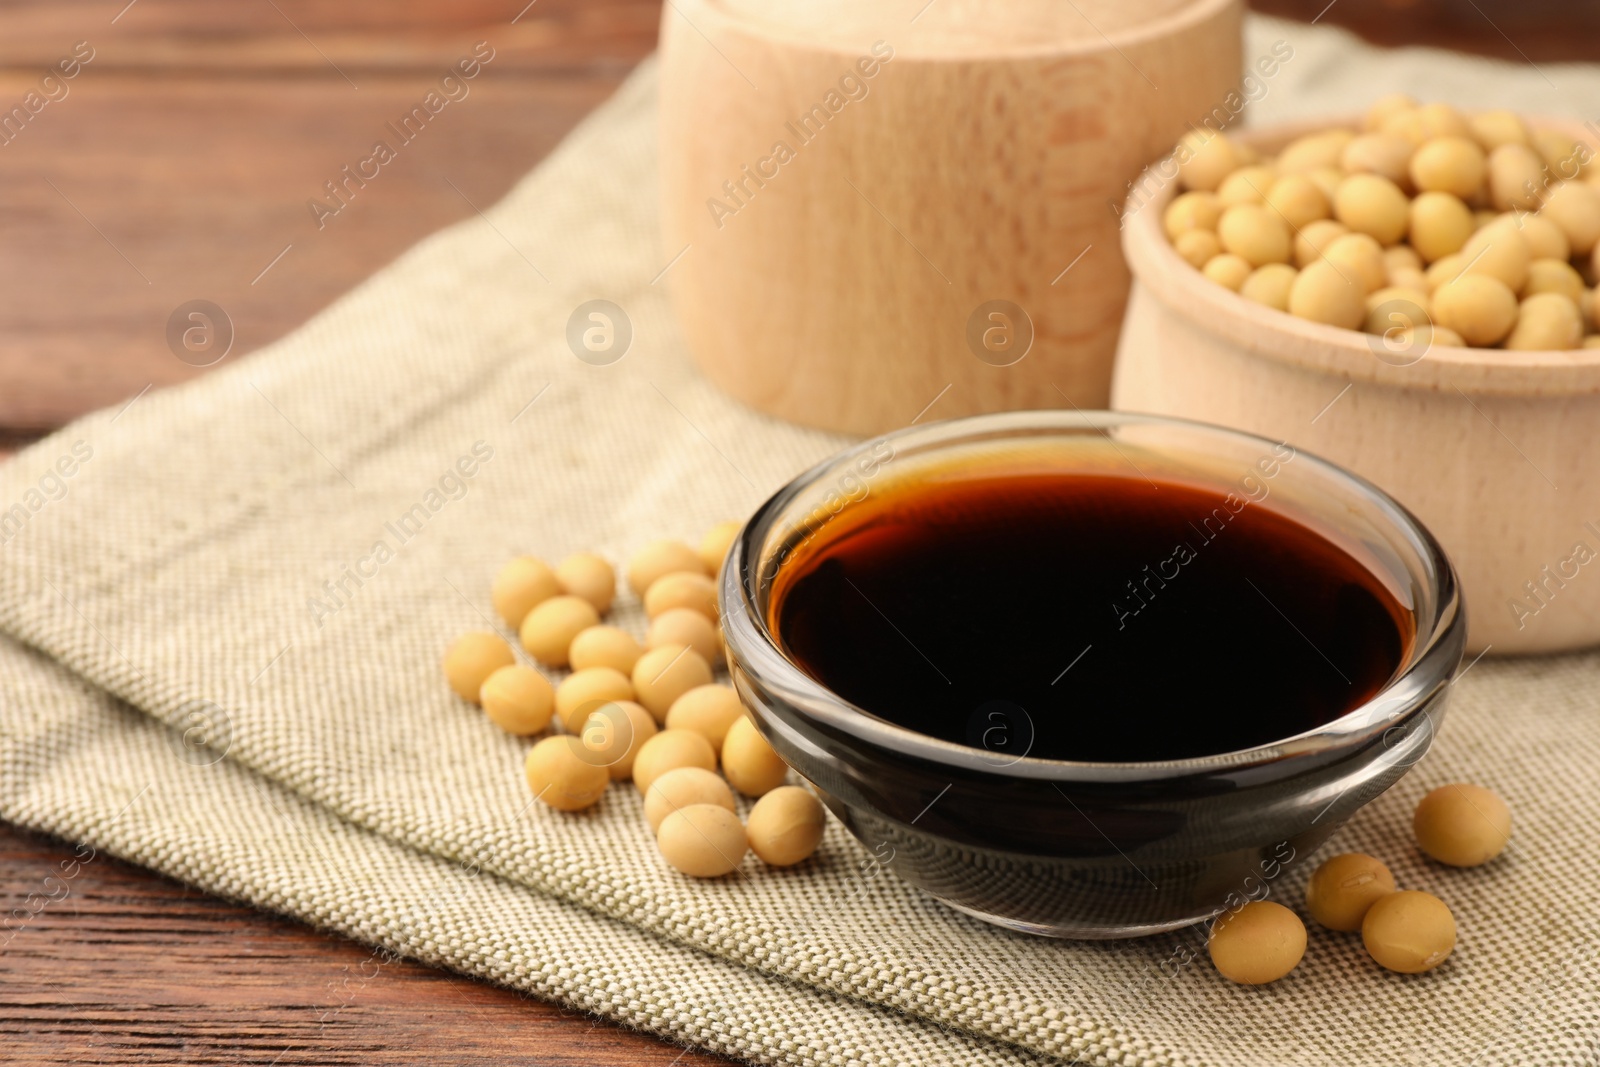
pixel 1430 666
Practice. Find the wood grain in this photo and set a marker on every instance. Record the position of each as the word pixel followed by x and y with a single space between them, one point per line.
pixel 216 176
pixel 861 244
pixel 178 166
pixel 180 163
pixel 1522 31
pixel 309 38
pixel 120 966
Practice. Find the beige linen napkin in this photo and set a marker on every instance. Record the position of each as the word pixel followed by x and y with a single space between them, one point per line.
pixel 211 564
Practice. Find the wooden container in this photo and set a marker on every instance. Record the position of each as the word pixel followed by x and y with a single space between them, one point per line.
pixel 879 206
pixel 1495 451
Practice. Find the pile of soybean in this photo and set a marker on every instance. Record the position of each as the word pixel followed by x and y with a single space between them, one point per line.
pixel 1425 226
pixel 1404 930
pixel 650 712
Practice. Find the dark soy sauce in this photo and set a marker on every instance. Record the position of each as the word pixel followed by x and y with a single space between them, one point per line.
pixel 1087 617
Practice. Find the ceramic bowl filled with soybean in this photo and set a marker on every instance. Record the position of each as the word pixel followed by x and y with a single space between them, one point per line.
pixel 1409 293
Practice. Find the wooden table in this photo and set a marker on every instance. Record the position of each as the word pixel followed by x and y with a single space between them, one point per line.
pixel 178 166
pixel 133 968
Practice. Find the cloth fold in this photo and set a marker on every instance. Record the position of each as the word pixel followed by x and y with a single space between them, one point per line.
pixel 224 635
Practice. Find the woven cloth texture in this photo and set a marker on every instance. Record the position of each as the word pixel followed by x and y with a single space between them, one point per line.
pixel 178 581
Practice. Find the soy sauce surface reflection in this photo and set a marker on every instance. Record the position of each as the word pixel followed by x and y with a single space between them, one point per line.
pixel 1087 617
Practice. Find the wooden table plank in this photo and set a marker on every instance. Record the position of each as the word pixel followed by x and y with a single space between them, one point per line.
pixel 181 161
pixel 120 966
pixel 1520 31
pixel 178 166
pixel 215 179
pixel 314 37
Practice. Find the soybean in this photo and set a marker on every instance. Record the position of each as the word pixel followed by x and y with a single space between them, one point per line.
pixel 1313 151
pixel 708 710
pixel 1344 887
pixel 1400 258
pixel 1255 234
pixel 1463 825
pixel 1423 338
pixel 1385 108
pixel 1498 127
pixel 561 777
pixel 604 646
pixel 703 840
pixel 1258 942
pixel 1408 124
pixel 521 585
pixel 1188 212
pixel 1440 224
pixel 664 674
pixel 1499 250
pixel 685 626
pixel 1395 308
pixel 1561 153
pixel 1373 205
pixel 612 735
pixel 667 751
pixel 579 693
pixel 1270 285
pixel 682 787
pixel 1545 239
pixel 1205 158
pixel 1479 308
pixel 660 558
pixel 1197 247
pixel 786 826
pixel 750 764
pixel 1450 164
pixel 548 631
pixel 1515 174
pixel 518 699
pixel 472 658
pixel 682 590
pixel 1327 180
pixel 1298 200
pixel 588 576
pixel 1575 207
pixel 1444 270
pixel 1314 238
pixel 1324 293
pixel 1227 270
pixel 1442 120
pixel 1247 185
pixel 1360 255
pixel 1409 932
pixel 1546 322
pixel 714 545
pixel 1384 154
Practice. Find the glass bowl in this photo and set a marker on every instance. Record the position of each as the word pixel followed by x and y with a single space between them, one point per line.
pixel 1091 849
